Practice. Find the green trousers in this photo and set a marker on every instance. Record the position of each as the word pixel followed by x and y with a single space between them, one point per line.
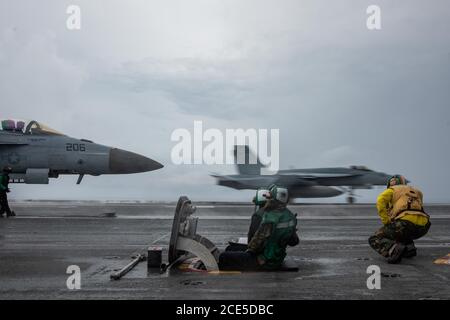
pixel 402 231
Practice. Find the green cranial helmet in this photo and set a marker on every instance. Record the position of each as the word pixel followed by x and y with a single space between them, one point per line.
pixel 279 193
pixel 399 179
pixel 261 197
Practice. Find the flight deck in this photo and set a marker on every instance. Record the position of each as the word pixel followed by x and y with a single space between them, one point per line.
pixel 38 246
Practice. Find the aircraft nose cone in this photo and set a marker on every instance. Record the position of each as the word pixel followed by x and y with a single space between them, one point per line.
pixel 121 161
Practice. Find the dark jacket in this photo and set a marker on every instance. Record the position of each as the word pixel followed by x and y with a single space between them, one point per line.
pixel 4 182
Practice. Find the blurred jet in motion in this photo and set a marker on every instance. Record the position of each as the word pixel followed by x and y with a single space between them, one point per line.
pixel 303 183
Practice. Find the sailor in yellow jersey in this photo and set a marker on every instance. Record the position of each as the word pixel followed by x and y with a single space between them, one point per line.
pixel 401 211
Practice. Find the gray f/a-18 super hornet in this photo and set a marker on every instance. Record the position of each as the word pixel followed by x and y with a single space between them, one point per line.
pixel 36 153
pixel 303 183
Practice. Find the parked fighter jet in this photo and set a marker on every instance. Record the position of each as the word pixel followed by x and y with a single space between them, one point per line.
pixel 304 183
pixel 36 153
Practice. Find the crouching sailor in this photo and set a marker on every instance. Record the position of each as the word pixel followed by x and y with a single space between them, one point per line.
pixel 267 248
pixel 401 211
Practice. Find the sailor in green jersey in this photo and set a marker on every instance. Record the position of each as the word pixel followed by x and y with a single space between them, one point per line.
pixel 267 248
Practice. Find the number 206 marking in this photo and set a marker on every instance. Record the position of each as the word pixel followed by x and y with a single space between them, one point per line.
pixel 75 147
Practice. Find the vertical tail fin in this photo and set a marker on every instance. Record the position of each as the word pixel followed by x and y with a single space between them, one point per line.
pixel 246 161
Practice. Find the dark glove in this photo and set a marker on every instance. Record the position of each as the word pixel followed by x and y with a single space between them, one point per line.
pixel 294 240
pixel 250 252
pixel 7 190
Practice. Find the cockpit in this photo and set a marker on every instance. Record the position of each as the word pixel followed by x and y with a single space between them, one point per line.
pixel 28 127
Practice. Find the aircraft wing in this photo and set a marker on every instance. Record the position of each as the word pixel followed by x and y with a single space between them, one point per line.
pixel 315 176
pixel 244 182
pixel 258 181
pixel 289 181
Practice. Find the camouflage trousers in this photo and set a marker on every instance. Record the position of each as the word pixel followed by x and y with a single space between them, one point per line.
pixel 398 231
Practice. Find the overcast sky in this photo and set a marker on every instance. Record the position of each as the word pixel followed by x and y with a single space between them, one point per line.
pixel 137 70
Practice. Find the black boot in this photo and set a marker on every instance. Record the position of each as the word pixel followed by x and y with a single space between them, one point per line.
pixel 396 252
pixel 11 214
pixel 410 251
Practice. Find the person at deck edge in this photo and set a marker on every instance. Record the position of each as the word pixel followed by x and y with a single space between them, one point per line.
pixel 4 189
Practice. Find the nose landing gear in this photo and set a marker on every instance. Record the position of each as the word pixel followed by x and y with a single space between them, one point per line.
pixel 351 199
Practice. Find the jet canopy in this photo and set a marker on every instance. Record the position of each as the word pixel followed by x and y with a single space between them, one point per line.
pixel 28 127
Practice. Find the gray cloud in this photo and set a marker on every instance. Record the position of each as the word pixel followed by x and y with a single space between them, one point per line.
pixel 339 93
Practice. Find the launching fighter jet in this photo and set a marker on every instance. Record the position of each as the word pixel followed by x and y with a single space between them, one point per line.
pixel 36 153
pixel 304 183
